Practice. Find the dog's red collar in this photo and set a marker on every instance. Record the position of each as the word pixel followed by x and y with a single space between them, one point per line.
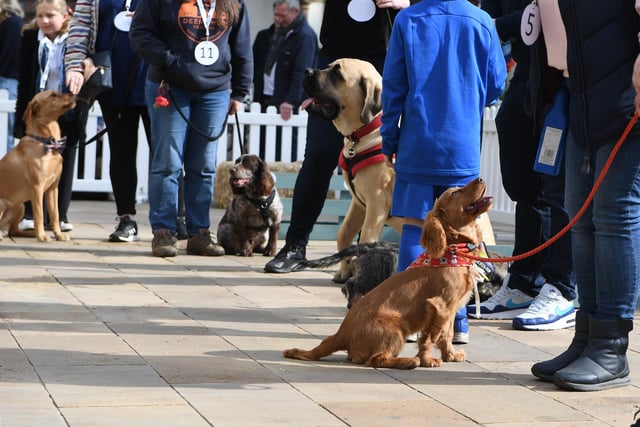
pixel 366 129
pixel 449 259
pixel 51 143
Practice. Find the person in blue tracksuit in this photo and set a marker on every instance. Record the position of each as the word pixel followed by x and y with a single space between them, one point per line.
pixel 443 66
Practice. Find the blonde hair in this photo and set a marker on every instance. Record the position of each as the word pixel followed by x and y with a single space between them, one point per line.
pixel 59 6
pixel 10 7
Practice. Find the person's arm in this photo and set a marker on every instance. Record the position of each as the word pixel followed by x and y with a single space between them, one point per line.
pixel 241 61
pixel 395 87
pixel 146 38
pixel 304 57
pixel 80 43
pixel 497 72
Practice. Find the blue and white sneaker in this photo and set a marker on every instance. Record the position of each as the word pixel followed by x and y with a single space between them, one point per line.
pixel 549 311
pixel 507 303
pixel 461 327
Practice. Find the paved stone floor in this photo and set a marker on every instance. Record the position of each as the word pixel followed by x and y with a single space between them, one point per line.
pixel 102 334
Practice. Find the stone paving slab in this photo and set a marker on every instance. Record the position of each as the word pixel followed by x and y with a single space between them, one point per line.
pixel 94 333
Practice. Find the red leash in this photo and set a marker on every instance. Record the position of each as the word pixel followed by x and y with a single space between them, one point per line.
pixel 578 215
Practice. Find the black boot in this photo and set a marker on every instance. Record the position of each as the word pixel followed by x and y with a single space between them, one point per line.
pixel 545 370
pixel 603 364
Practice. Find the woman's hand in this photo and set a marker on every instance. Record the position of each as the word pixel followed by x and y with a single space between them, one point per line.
pixel 388 159
pixel 285 110
pixel 235 106
pixel 397 4
pixel 635 78
pixel 74 81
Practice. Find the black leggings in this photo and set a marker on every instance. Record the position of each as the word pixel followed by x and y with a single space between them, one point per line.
pixel 123 144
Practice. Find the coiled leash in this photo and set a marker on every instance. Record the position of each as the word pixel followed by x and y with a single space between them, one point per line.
pixel 575 219
pixel 164 88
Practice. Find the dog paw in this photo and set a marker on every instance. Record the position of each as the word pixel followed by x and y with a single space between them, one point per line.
pixel 430 362
pixel 454 356
pixel 292 353
pixel 61 237
pixel 43 238
pixel 339 277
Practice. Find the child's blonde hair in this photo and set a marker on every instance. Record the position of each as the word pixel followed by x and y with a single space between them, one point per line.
pixel 59 6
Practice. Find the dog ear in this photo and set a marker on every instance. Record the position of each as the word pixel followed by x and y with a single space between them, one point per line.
pixel 372 99
pixel 265 178
pixel 32 108
pixel 434 237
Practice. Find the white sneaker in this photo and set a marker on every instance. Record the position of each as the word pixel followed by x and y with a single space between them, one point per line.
pixel 66 226
pixel 549 311
pixel 507 303
pixel 26 225
pixel 412 337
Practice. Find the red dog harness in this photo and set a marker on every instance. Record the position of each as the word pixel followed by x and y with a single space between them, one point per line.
pixel 351 162
pixel 449 259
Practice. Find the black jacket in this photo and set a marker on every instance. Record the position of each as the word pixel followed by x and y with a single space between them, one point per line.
pixel 298 51
pixel 165 33
pixel 602 40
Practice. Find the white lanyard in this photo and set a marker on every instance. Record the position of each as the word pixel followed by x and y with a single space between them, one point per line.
pixel 207 16
pixel 45 52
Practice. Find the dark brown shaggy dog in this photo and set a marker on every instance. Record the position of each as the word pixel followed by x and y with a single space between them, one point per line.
pixel 32 169
pixel 252 220
pixel 421 299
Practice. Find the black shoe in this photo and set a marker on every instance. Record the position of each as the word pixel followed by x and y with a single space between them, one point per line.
pixel 181 229
pixel 287 260
pixel 126 231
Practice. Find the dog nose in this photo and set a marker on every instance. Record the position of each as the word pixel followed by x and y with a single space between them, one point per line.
pixel 308 71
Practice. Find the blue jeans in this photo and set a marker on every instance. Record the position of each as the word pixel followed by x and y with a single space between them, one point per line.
pixel 606 239
pixel 175 146
pixel 11 85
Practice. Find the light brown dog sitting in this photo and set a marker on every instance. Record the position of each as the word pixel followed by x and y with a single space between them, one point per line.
pixel 32 169
pixel 421 299
pixel 348 92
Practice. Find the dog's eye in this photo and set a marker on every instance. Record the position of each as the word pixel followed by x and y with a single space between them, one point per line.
pixel 335 73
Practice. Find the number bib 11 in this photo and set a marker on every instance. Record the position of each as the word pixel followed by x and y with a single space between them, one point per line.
pixel 206 53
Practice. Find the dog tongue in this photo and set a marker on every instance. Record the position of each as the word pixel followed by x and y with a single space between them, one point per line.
pixel 306 103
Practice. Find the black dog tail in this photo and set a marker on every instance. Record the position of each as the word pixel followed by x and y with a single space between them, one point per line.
pixel 353 250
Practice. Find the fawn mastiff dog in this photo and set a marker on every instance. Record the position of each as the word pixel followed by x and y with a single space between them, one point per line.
pixel 424 298
pixel 32 169
pixel 348 92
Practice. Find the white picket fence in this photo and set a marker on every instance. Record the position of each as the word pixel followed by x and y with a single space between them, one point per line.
pixel 92 168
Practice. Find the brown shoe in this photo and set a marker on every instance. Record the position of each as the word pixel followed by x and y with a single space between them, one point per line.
pixel 204 243
pixel 163 244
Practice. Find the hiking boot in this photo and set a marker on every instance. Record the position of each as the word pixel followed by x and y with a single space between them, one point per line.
pixel 548 311
pixel 163 244
pixel 287 260
pixel 204 243
pixel 507 303
pixel 181 228
pixel 126 231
